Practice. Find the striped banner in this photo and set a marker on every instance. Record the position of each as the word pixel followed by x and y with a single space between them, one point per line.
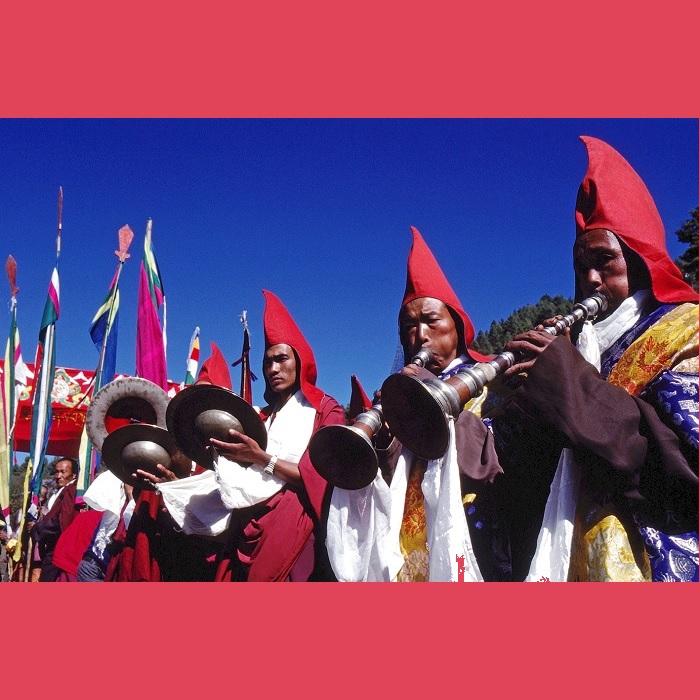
pixel 104 334
pixel 14 379
pixel 192 359
pixel 155 281
pixel 46 366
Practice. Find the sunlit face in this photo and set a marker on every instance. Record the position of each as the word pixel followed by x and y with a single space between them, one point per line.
pixel 600 266
pixel 280 369
pixel 427 323
pixel 63 472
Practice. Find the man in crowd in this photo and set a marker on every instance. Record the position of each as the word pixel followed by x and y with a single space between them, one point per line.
pixel 419 518
pixel 61 511
pixel 4 568
pixel 281 538
pixel 623 502
pixel 148 544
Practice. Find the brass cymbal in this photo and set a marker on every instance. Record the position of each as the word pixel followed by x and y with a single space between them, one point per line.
pixel 143 446
pixel 131 398
pixel 204 411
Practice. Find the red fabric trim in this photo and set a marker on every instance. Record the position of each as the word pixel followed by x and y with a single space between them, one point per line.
pixel 215 369
pixel 612 196
pixel 281 328
pixel 75 540
pixel 425 278
pixel 359 401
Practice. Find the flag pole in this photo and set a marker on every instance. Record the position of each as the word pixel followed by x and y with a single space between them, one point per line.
pixel 45 360
pixel 8 401
pixel 247 377
pixel 111 305
pixel 126 235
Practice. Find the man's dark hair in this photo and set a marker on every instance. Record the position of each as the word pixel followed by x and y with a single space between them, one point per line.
pixel 74 462
pixel 461 345
pixel 638 276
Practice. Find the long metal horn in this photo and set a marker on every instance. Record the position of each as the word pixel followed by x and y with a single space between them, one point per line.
pixel 343 454
pixel 416 410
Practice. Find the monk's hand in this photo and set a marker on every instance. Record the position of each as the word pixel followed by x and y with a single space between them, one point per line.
pixel 527 347
pixel 242 449
pixel 410 370
pixel 551 322
pixel 164 474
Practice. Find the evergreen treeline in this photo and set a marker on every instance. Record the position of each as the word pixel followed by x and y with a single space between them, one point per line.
pixel 688 261
pixel 523 319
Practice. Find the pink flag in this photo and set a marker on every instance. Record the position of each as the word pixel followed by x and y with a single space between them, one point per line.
pixel 150 352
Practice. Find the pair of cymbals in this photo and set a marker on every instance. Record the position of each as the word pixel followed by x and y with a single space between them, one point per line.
pixel 171 433
pixel 141 441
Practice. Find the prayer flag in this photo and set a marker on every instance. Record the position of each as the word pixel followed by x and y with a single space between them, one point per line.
pixel 104 334
pixel 192 358
pixel 155 282
pixel 14 378
pixel 150 350
pixel 45 367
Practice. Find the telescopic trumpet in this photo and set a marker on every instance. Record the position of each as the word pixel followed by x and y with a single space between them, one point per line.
pixel 343 454
pixel 417 410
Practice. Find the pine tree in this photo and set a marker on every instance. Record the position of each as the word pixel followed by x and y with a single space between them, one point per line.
pixel 688 261
pixel 523 319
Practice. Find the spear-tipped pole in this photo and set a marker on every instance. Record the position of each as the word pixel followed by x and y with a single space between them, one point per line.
pixel 125 236
pixel 60 223
pixel 247 377
pixel 11 269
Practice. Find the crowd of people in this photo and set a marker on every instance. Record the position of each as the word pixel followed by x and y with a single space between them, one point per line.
pixel 577 463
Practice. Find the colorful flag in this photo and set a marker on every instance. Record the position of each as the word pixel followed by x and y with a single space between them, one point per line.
pixel 155 282
pixel 45 368
pixel 192 358
pixel 104 334
pixel 15 376
pixel 45 364
pixel 247 377
pixel 150 350
pixel 151 365
pixel 150 336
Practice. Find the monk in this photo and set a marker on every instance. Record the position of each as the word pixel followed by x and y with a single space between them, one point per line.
pixel 427 520
pixel 281 538
pixel 621 503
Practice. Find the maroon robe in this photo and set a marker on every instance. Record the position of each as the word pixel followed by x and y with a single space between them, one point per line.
pixel 49 529
pixel 75 540
pixel 153 549
pixel 282 539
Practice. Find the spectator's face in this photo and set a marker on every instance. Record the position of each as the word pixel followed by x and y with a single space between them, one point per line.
pixel 280 369
pixel 600 266
pixel 427 323
pixel 64 472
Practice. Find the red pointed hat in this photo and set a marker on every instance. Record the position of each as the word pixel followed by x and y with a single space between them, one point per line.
pixel 281 328
pixel 359 401
pixel 424 278
pixel 612 196
pixel 215 369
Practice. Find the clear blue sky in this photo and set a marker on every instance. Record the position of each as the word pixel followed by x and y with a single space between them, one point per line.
pixel 317 211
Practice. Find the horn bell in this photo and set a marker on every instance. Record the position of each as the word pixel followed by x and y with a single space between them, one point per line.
pixel 415 415
pixel 343 455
